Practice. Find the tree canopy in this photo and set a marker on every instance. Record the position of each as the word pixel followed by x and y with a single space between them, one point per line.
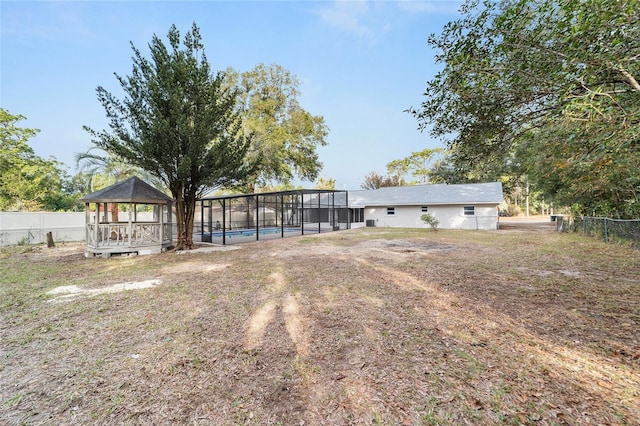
pixel 375 181
pixel 284 136
pixel 100 169
pixel 179 121
pixel 27 182
pixel 550 86
pixel 325 183
pixel 418 165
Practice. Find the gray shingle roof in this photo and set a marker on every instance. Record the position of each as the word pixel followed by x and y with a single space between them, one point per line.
pixel 132 190
pixel 472 193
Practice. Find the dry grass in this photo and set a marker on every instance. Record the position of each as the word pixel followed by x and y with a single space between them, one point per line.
pixel 371 326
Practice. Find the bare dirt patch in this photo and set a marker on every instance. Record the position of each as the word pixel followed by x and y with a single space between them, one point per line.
pixel 527 224
pixel 360 327
pixel 69 292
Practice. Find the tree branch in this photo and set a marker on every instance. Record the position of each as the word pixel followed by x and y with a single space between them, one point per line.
pixel 630 79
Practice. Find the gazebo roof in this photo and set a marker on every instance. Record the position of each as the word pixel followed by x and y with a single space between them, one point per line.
pixel 132 190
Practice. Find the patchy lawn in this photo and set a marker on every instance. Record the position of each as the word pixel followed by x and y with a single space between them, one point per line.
pixel 369 326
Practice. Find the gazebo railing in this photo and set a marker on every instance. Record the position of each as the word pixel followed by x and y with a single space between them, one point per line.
pixel 167 231
pixel 125 234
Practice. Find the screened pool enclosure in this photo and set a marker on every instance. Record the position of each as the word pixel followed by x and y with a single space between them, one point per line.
pixel 229 219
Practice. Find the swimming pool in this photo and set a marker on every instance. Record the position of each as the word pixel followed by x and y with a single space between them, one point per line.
pixel 251 232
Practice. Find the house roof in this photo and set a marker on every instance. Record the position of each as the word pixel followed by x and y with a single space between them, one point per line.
pixel 211 196
pixel 132 190
pixel 440 194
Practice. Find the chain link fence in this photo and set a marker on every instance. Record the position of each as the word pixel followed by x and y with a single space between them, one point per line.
pixel 608 230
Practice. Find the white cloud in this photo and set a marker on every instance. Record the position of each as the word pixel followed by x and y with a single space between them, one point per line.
pixel 371 19
pixel 50 20
pixel 432 6
pixel 348 16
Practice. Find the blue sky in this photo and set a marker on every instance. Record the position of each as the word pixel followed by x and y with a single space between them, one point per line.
pixel 361 64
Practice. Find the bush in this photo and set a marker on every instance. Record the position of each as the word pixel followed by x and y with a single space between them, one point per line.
pixel 430 220
pixel 513 210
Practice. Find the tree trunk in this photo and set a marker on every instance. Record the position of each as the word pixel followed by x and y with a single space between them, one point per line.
pixel 185 210
pixel 50 242
pixel 527 197
pixel 114 212
pixel 190 205
pixel 180 215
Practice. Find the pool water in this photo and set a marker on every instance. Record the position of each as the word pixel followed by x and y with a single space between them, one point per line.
pixel 252 232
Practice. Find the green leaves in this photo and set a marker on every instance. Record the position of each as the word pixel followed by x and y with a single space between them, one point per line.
pixel 566 70
pixel 284 135
pixel 178 121
pixel 27 182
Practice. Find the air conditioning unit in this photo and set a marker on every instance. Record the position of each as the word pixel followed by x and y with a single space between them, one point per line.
pixel 371 223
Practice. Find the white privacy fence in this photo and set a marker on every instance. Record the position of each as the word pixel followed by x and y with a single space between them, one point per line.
pixel 32 227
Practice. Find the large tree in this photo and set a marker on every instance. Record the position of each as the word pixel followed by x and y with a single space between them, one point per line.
pixel 27 182
pixel 325 183
pixel 375 181
pixel 396 170
pixel 418 164
pixel 285 136
pixel 99 169
pixel 553 81
pixel 178 121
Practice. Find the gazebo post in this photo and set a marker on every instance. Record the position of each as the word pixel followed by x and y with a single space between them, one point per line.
pixel 161 214
pixel 135 219
pixel 97 223
pixel 87 217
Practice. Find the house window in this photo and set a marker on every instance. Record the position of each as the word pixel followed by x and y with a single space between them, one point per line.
pixel 391 211
pixel 425 209
pixel 357 215
pixel 469 210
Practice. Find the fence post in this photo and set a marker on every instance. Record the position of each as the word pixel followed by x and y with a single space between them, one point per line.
pixel 632 227
pixel 42 225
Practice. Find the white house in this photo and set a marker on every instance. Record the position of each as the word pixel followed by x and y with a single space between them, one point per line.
pixel 460 206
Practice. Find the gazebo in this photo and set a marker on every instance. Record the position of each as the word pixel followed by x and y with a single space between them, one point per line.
pixel 128 217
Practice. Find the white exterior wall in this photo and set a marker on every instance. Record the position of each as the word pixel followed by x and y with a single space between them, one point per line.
pixel 32 227
pixel 450 217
